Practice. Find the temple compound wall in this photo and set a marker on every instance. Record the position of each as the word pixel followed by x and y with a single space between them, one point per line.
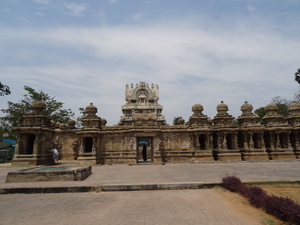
pixel 143 125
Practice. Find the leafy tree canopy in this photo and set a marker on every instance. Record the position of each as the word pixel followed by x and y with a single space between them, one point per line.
pixel 260 112
pixel 15 111
pixel 297 76
pixel 282 104
pixel 175 120
pixel 79 118
pixel 4 90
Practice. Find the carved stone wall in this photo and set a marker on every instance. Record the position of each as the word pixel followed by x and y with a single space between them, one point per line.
pixel 199 139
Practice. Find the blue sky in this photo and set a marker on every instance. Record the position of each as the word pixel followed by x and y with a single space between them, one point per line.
pixel 196 51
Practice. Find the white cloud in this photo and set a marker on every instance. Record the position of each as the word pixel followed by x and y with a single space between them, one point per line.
pixel 137 16
pixel 251 8
pixel 114 1
pixel 71 7
pixel 74 8
pixel 43 1
pixel 192 64
pixel 24 20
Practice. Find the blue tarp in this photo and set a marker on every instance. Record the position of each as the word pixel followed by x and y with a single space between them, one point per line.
pixel 13 142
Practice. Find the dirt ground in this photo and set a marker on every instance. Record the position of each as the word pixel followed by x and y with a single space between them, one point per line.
pixel 292 191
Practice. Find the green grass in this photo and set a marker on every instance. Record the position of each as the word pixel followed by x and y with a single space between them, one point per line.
pixel 7 161
pixel 273 183
pixel 268 221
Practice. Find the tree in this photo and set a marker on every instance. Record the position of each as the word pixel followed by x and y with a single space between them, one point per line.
pixel 297 76
pixel 175 120
pixel 4 90
pixel 297 97
pixel 15 111
pixel 79 118
pixel 260 112
pixel 282 104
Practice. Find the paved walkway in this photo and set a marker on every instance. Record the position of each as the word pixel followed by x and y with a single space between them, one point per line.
pixel 207 173
pixel 207 206
pixel 186 207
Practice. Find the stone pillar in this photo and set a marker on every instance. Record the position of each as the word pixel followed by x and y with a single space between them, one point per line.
pixel 197 141
pixel 271 141
pixel 210 141
pixel 235 141
pixel 224 142
pixel 80 150
pixel 297 140
pixel 288 140
pixel 93 146
pixel 18 144
pixel 219 141
pixel 245 134
pixel 251 143
pixel 278 146
pixel 36 144
pixel 262 141
pixel 207 142
pixel 193 141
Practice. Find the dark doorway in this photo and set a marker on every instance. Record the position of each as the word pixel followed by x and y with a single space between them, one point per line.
pixel 30 144
pixel 88 144
pixel 283 140
pixel 215 140
pixel 256 140
pixel 229 141
pixel 267 140
pixel 141 141
pixel 241 140
pixel 202 142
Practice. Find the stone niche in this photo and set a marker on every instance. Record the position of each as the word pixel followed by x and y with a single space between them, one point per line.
pixel 251 135
pixel 35 138
pixel 222 138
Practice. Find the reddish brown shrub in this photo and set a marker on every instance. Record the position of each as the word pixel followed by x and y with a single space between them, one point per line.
pixel 257 196
pixel 232 183
pixel 282 208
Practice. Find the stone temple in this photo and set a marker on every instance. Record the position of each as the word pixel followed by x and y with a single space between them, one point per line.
pixel 142 123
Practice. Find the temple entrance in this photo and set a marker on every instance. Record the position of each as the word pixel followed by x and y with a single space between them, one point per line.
pixel 144 143
pixel 202 141
pixel 88 144
pixel 29 144
pixel 229 141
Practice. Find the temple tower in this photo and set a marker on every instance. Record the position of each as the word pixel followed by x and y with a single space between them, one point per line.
pixel 142 106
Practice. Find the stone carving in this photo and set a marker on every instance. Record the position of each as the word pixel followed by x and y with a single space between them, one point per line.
pixel 199 139
pixel 142 105
pixel 223 119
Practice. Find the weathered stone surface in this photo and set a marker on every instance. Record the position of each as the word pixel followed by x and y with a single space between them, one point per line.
pixel 198 139
pixel 42 174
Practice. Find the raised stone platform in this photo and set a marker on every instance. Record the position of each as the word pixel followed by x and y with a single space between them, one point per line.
pixel 42 174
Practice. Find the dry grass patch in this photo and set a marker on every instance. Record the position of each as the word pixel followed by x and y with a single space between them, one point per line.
pixel 241 205
pixel 285 190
